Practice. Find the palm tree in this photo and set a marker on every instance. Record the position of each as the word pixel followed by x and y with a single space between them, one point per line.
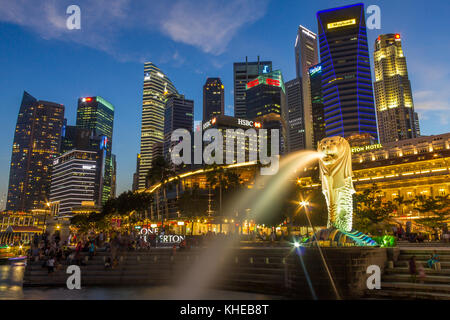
pixel 437 211
pixel 160 172
pixel 402 202
pixel 222 179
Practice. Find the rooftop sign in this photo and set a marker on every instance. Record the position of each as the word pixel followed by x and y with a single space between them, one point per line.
pixel 315 69
pixel 340 24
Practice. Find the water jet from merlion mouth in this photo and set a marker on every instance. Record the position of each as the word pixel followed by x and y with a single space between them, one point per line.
pixel 266 189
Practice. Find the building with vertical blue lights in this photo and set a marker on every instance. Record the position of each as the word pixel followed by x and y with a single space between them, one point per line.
pixel 346 79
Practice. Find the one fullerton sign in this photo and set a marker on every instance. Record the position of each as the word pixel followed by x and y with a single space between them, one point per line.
pixel 163 238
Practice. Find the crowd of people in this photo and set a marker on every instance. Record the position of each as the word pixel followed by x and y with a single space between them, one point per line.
pixel 77 249
pixel 419 237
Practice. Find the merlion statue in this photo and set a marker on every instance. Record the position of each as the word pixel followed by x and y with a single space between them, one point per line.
pixel 337 185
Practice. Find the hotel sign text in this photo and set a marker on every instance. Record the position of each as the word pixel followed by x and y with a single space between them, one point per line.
pixel 367 148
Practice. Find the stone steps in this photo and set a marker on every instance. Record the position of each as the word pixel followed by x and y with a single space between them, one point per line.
pixel 406 257
pixel 404 263
pixel 428 271
pixel 422 287
pixel 405 244
pixel 406 294
pixel 407 277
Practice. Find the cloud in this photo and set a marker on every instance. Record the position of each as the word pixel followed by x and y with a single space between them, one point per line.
pixel 210 25
pixel 206 24
pixel 433 105
pixel 432 96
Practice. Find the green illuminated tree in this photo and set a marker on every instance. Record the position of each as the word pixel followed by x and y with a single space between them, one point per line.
pixel 436 209
pixel 370 211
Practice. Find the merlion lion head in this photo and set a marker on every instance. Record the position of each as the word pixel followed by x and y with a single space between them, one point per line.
pixel 334 150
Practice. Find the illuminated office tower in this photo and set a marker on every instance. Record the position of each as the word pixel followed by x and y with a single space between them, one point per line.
pixel 315 78
pixel 135 185
pixel 36 144
pixel 243 72
pixel 156 88
pixel 75 177
pixel 346 79
pixel 395 108
pixel 306 56
pixel 295 121
pixel 213 98
pixel 97 115
pixel 266 104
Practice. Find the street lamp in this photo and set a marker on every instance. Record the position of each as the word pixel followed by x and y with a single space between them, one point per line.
pixel 45 216
pixel 304 204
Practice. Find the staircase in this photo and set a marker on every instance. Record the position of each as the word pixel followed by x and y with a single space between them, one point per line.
pixel 396 282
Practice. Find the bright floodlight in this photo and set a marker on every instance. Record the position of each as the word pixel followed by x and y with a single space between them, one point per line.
pixel 304 203
pixel 296 244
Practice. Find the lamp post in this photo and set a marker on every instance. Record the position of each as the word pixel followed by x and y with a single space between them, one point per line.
pixel 45 216
pixel 305 205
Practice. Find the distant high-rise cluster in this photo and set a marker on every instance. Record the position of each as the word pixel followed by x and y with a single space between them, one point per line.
pixel 57 166
pixel 60 165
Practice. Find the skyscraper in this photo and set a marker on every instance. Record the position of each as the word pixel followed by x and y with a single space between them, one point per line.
pixel 75 138
pixel 346 79
pixel 243 72
pixel 36 144
pixel 135 185
pixel 315 78
pixel 97 115
pixel 393 96
pixel 179 114
pixel 295 122
pixel 75 179
pixel 156 87
pixel 213 98
pixel 266 103
pixel 306 56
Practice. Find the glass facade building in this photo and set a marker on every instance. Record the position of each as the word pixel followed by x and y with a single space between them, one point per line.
pixel 37 140
pixel 306 56
pixel 243 72
pixel 266 103
pixel 156 88
pixel 179 114
pixel 97 115
pixel 296 125
pixel 74 180
pixel 346 79
pixel 315 77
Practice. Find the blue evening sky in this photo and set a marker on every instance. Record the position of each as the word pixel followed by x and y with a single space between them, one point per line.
pixel 189 40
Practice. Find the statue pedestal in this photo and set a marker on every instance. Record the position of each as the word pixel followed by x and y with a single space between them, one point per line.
pixel 333 237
